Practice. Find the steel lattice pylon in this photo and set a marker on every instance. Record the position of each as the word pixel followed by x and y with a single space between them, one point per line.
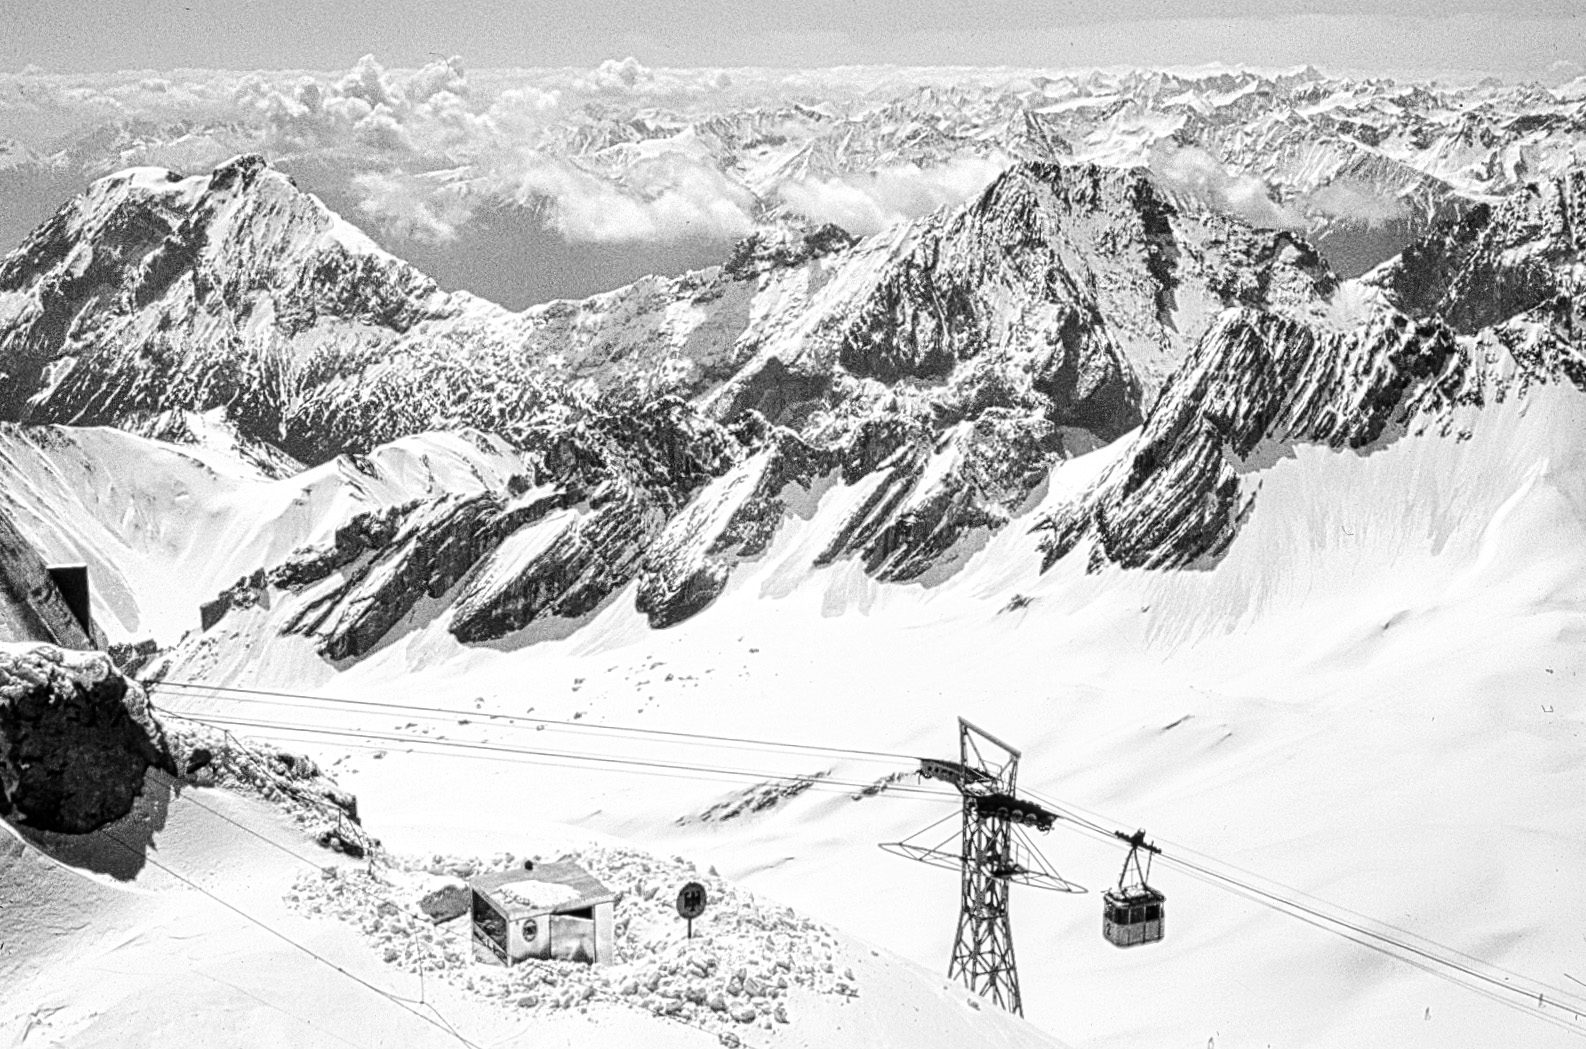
pixel 983 951
pixel 994 852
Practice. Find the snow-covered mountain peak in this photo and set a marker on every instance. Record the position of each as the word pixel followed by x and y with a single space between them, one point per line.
pixel 671 427
pixel 1107 452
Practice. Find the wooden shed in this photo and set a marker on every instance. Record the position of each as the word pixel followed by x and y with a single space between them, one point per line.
pixel 552 910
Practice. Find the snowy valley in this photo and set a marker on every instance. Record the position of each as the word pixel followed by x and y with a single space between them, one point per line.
pixel 1254 519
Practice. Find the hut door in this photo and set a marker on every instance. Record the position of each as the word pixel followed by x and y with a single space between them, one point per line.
pixel 572 939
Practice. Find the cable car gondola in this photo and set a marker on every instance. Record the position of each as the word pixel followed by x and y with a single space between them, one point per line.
pixel 1134 913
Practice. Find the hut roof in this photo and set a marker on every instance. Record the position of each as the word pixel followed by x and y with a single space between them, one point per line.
pixel 550 888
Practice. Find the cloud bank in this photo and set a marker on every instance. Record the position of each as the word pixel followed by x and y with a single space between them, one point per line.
pixel 616 166
pixel 1354 201
pixel 607 155
pixel 868 203
pixel 1197 174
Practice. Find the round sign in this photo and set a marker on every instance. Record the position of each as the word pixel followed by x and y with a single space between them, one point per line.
pixel 691 900
pixel 531 928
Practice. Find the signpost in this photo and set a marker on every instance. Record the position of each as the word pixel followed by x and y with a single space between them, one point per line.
pixel 691 903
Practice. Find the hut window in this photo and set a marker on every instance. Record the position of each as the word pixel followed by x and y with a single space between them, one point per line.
pixel 490 921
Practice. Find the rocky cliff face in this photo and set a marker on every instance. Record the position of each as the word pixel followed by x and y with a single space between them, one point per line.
pixel 1516 261
pixel 666 428
pixel 75 739
pixel 1482 308
pixel 664 433
pixel 1069 291
pixel 1256 385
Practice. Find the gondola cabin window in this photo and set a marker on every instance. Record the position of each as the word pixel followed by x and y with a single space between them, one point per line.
pixel 1132 919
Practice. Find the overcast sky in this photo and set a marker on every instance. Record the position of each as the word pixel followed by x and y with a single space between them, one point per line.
pixel 1514 38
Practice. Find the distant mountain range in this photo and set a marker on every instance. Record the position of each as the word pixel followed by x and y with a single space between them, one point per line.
pixel 662 432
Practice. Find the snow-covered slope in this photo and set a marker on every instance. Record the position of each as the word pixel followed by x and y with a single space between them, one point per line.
pixel 1372 697
pixel 1282 568
pixel 934 373
pixel 227 926
pixel 166 528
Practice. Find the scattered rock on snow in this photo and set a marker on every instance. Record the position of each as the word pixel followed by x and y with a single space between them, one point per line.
pixel 446 898
pixel 744 961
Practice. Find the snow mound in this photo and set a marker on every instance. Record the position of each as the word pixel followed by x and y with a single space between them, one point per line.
pixel 747 960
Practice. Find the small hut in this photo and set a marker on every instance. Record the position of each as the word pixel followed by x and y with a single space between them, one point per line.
pixel 550 910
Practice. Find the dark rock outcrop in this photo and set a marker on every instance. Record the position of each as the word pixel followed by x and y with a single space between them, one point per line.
pixel 76 738
pixel 1256 385
pixel 687 565
pixel 247 592
pixel 1498 262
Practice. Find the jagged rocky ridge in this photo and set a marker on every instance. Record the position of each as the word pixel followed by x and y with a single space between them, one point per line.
pixel 667 430
pixel 1256 384
pixel 957 356
pixel 1482 308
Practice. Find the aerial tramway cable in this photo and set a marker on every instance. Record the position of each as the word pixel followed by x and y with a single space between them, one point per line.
pixel 1426 955
pixel 349 736
pixel 1434 958
pixel 400 1003
pixel 1071 813
pixel 703 738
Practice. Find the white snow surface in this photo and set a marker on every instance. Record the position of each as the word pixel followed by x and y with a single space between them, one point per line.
pixel 224 935
pixel 164 528
pixel 539 893
pixel 1375 698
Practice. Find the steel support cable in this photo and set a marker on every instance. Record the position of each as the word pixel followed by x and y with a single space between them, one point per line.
pixel 1394 946
pixel 398 737
pixel 450 718
pixel 1563 999
pixel 754 778
pixel 580 726
pixel 188 797
pixel 632 764
pixel 1333 923
pixel 1366 940
pixel 1440 967
pixel 1562 996
pixel 393 999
